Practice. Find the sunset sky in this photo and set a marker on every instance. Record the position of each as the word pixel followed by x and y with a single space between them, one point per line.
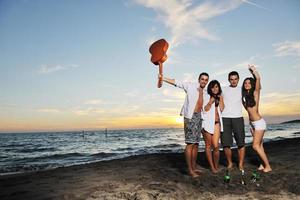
pixel 85 65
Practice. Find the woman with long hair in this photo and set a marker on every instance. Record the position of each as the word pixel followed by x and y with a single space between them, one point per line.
pixel 213 105
pixel 250 98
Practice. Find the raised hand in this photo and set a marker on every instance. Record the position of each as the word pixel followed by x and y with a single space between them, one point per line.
pixel 158 55
pixel 160 80
pixel 252 68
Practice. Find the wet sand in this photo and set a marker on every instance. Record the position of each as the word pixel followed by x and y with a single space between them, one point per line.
pixel 162 176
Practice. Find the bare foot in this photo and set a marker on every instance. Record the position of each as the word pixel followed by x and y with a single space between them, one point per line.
pixel 198 171
pixel 214 171
pixel 261 167
pixel 267 169
pixel 241 167
pixel 194 175
pixel 198 167
pixel 230 166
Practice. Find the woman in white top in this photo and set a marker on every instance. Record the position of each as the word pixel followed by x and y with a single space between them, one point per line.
pixel 250 97
pixel 212 123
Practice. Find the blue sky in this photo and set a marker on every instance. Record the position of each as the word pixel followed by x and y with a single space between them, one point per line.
pixel 74 64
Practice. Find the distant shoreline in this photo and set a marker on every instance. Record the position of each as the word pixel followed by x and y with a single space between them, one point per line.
pixel 113 130
pixel 291 121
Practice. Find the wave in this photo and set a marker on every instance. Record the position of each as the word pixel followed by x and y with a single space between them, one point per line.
pixel 124 149
pixel 163 146
pixel 276 129
pixel 103 155
pixel 38 150
pixel 53 161
pixel 21 168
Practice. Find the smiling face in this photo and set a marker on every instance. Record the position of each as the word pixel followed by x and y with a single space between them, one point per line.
pixel 247 84
pixel 233 80
pixel 203 81
pixel 215 89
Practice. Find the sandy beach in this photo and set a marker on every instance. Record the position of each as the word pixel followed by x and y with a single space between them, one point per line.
pixel 161 176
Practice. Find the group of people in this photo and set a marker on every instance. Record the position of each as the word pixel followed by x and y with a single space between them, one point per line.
pixel 217 113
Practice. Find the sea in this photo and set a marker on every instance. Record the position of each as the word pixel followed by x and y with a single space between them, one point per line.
pixel 37 151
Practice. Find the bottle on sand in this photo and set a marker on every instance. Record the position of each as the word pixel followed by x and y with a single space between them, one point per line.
pixel 227 177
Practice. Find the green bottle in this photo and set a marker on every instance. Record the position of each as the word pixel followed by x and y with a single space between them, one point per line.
pixel 227 177
pixel 255 176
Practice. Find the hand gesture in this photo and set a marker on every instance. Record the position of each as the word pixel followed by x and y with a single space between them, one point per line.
pixel 160 76
pixel 160 80
pixel 252 68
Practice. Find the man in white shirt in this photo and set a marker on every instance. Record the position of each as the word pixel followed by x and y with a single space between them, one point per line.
pixel 233 121
pixel 191 111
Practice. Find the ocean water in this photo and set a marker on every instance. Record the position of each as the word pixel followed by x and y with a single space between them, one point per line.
pixel 25 152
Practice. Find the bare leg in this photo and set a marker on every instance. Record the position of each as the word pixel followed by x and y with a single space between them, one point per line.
pixel 228 154
pixel 241 152
pixel 257 146
pixel 195 167
pixel 189 157
pixel 207 138
pixel 215 144
pixel 261 167
pixel 194 156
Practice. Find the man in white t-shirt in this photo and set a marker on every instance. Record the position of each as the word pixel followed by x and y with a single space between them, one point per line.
pixel 191 111
pixel 233 121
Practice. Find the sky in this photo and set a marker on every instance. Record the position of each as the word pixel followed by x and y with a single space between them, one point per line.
pixel 85 65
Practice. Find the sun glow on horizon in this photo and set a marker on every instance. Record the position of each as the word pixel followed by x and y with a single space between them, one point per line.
pixel 179 120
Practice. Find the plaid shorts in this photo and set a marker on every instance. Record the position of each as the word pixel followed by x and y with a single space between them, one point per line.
pixel 192 128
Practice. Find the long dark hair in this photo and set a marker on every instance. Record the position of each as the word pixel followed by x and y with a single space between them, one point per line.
pixel 211 85
pixel 248 96
pixel 209 90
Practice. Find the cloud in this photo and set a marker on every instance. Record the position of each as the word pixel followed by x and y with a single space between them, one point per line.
pixel 112 110
pixel 133 93
pixel 189 77
pixel 297 66
pixel 45 69
pixel 88 111
pixel 236 67
pixel 276 104
pixel 173 94
pixel 287 48
pixel 172 100
pixel 185 19
pixel 254 4
pixel 94 102
pixel 48 110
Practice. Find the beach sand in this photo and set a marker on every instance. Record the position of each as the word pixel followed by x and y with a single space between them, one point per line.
pixel 162 176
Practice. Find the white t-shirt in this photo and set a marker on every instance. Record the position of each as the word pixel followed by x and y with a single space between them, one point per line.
pixel 192 94
pixel 232 101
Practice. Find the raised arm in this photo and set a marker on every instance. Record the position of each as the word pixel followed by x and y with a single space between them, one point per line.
pixel 167 80
pixel 256 76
